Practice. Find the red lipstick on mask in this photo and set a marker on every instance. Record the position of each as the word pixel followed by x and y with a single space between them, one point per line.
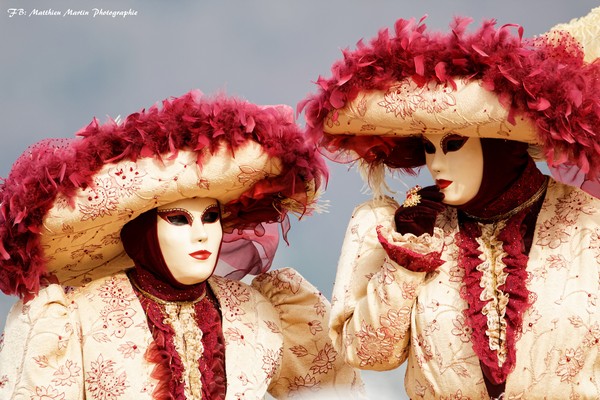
pixel 442 183
pixel 201 254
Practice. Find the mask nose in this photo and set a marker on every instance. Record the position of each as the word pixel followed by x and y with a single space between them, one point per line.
pixel 437 161
pixel 199 233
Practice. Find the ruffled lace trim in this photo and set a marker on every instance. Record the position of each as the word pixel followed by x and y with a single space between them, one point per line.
pixel 414 253
pixel 188 349
pixel 495 289
pixel 493 277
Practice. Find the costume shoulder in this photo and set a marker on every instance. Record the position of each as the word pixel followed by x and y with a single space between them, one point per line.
pixel 41 349
pixel 309 361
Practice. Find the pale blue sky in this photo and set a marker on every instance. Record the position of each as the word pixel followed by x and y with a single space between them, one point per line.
pixel 59 72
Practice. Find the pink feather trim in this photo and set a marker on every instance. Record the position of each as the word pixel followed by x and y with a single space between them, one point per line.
pixel 544 79
pixel 192 121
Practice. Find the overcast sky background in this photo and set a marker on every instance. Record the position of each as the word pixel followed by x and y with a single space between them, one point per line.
pixel 56 73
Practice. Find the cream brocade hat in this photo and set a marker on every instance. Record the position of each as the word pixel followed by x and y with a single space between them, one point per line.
pixel 65 201
pixel 490 83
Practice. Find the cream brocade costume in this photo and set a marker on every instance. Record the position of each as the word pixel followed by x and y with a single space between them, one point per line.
pixel 90 342
pixel 384 314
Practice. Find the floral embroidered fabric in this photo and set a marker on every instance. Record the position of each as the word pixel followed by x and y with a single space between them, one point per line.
pixel 95 343
pixel 383 314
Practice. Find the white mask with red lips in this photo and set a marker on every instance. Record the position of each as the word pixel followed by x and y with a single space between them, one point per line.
pixel 190 234
pixel 456 164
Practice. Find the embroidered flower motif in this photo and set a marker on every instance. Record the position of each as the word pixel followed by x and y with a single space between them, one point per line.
pixel 570 364
pixel 456 396
pixel 462 329
pixel 409 290
pixel 396 323
pixel 287 279
pixel 299 351
pixel 250 175
pixel 232 296
pixel 530 319
pixel 41 361
pixel 367 127
pixel 113 238
pixel 456 273
pixel 302 383
pixel 3 381
pixel 129 350
pixel 320 308
pixel 234 335
pixel 87 250
pixel 552 234
pixel 244 379
pixel 374 346
pixel 333 119
pixel 273 327
pixel 100 200
pixel 434 100
pixel 112 292
pixel 425 348
pixel 592 337
pixel 385 276
pixel 128 178
pixel 66 374
pixel 420 389
pixel 103 382
pixel 575 203
pixel 402 99
pixel 323 362
pixel 595 244
pixel 61 202
pixel 314 326
pixel 47 393
pixel 116 322
pixel 362 106
pixel 148 386
pixel 203 183
pixel 271 361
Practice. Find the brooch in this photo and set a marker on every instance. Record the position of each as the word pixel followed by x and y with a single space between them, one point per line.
pixel 412 197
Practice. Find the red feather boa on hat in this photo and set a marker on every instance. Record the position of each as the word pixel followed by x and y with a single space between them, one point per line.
pixel 192 121
pixel 544 79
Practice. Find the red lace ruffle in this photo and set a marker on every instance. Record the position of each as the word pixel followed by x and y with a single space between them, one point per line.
pixel 168 369
pixel 515 288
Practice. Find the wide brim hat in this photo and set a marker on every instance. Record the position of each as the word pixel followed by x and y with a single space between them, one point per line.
pixel 490 83
pixel 66 200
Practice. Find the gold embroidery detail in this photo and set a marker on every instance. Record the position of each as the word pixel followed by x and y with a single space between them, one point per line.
pixel 412 197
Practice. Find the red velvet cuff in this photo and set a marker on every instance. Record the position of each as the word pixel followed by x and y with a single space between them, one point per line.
pixel 409 259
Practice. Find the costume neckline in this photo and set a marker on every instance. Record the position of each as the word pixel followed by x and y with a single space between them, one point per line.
pixel 515 210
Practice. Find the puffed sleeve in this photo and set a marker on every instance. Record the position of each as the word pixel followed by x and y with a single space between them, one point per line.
pixel 41 353
pixel 374 295
pixel 311 367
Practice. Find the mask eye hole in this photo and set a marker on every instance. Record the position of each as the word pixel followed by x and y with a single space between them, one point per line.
pixel 211 214
pixel 429 147
pixel 453 142
pixel 176 216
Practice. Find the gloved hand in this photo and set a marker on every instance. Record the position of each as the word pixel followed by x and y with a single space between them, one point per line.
pixel 418 213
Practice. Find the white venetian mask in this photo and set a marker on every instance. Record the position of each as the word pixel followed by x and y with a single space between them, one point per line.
pixel 190 234
pixel 456 164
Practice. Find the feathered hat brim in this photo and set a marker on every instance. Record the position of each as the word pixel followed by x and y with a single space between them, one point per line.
pixel 489 83
pixel 65 202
